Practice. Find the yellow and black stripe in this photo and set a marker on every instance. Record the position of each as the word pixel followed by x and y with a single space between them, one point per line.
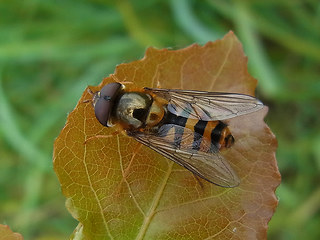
pixel 216 132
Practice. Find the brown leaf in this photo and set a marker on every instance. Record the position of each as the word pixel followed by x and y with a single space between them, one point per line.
pixel 7 234
pixel 119 189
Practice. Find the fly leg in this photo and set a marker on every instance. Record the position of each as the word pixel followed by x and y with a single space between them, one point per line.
pixel 124 183
pixel 102 136
pixel 91 99
pixel 122 82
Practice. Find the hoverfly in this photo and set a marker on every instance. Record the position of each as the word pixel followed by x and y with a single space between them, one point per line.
pixel 183 125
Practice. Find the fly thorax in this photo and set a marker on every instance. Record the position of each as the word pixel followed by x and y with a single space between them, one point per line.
pixel 156 114
pixel 132 109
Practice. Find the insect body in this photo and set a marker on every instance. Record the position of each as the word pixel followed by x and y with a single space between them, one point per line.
pixel 215 132
pixel 185 126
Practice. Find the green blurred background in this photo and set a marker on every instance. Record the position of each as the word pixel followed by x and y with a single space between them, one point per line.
pixel 51 50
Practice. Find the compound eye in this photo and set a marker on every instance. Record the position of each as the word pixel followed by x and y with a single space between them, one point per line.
pixel 104 101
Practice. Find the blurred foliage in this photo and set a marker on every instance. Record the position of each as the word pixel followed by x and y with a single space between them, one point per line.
pixel 51 50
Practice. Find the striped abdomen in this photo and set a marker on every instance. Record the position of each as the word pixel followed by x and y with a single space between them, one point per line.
pixel 215 132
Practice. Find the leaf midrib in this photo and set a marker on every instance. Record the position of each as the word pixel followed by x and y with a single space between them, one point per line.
pixel 222 65
pixel 154 204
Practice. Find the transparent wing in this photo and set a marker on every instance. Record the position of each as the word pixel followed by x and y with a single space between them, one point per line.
pixel 178 143
pixel 208 106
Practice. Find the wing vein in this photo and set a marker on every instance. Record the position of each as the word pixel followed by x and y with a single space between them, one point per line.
pixel 210 166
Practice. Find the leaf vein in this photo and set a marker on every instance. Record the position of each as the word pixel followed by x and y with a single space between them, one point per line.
pixel 152 211
pixel 124 173
pixel 222 66
pixel 93 190
pixel 194 201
